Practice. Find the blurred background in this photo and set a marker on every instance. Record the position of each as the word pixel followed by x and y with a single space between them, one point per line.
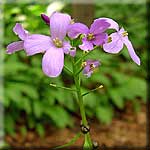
pixel 39 115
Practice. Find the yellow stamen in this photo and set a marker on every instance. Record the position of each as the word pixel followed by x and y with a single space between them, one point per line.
pixel 84 64
pixel 58 43
pixel 72 21
pixel 90 36
pixel 109 39
pixel 125 34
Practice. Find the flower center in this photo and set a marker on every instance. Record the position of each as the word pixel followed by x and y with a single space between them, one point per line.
pixel 58 43
pixel 92 67
pixel 90 36
pixel 109 39
pixel 125 33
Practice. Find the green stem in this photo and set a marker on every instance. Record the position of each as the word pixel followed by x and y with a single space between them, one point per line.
pixel 61 87
pixel 79 71
pixel 101 86
pixel 80 59
pixel 72 141
pixel 86 54
pixel 87 142
pixel 68 69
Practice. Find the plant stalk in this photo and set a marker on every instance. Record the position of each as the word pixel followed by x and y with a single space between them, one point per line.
pixel 87 138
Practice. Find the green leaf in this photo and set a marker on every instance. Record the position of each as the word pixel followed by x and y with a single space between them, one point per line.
pixel 31 122
pixel 40 129
pixel 104 114
pixel 132 88
pixel 12 95
pixel 91 100
pixel 116 97
pixel 119 77
pixel 37 108
pixel 15 90
pixel 23 131
pixel 14 67
pixel 137 106
pixel 25 104
pixel 28 89
pixel 137 87
pixel 59 116
pixel 9 124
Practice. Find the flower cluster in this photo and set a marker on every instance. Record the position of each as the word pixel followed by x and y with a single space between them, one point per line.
pixel 55 46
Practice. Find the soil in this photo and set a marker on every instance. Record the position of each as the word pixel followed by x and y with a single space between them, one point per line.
pixel 127 128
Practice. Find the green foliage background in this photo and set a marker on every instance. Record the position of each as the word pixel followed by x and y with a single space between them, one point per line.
pixel 29 99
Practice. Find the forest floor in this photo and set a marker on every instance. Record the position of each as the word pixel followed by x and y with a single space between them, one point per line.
pixel 127 128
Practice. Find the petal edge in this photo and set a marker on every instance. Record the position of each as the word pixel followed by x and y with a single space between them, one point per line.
pixel 14 47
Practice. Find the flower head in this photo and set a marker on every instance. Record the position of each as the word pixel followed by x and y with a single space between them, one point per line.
pixel 94 36
pixel 19 45
pixel 89 67
pixel 53 47
pixel 117 40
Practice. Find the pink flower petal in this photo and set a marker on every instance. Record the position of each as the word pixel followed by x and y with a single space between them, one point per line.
pixel 88 70
pixel 66 47
pixel 86 45
pixel 76 29
pixel 99 26
pixel 59 25
pixel 37 43
pixel 113 24
pixel 20 31
pixel 15 46
pixel 115 46
pixel 131 51
pixel 100 39
pixel 53 62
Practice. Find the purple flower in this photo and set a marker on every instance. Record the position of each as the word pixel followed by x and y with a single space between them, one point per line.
pixel 19 45
pixel 53 47
pixel 93 36
pixel 45 18
pixel 117 40
pixel 90 66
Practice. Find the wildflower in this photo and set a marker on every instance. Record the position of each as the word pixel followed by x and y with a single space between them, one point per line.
pixel 94 36
pixel 117 40
pixel 19 45
pixel 89 67
pixel 53 47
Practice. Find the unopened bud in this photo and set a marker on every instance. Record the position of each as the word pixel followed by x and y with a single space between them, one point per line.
pixel 101 86
pixel 84 64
